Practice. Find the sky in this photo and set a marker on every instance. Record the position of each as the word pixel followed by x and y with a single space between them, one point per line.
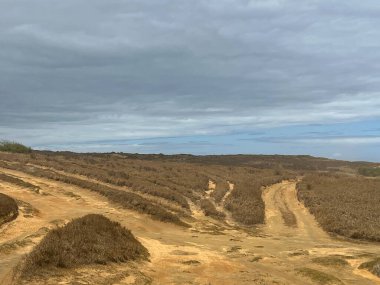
pixel 200 77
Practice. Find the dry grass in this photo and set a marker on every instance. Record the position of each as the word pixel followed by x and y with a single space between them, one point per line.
pixel 334 261
pixel 92 239
pixel 8 209
pixel 19 182
pixel 125 199
pixel 245 202
pixel 173 179
pixel 372 266
pixel 318 276
pixel 209 209
pixel 220 191
pixel 348 206
pixel 177 178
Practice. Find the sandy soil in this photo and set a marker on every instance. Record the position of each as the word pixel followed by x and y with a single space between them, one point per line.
pixel 209 252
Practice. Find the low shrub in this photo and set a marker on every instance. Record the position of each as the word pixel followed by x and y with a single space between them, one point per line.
pixel 8 209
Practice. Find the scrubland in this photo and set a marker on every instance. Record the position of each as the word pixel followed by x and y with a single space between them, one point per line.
pixel 240 232
pixel 344 205
pixel 174 181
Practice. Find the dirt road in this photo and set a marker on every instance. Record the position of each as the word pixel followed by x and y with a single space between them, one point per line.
pixel 210 252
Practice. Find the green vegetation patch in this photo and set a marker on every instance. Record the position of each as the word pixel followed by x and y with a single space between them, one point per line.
pixel 318 276
pixel 9 146
pixel 92 239
pixel 372 266
pixel 370 171
pixel 330 261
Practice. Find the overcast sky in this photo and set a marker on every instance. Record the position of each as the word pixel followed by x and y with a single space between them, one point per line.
pixel 179 76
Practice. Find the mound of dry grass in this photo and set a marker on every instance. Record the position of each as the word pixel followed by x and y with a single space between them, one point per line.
pixel 348 206
pixel 8 209
pixel 209 209
pixel 221 189
pixel 92 239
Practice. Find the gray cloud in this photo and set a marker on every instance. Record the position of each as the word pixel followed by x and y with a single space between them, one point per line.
pixel 75 71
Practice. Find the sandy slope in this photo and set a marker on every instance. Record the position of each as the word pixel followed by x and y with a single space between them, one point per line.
pixel 208 253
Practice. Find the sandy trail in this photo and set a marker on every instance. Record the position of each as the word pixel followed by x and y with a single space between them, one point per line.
pixel 281 203
pixel 231 188
pixel 286 216
pixel 212 253
pixel 220 207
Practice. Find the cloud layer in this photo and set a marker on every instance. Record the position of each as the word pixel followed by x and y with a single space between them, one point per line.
pixel 80 71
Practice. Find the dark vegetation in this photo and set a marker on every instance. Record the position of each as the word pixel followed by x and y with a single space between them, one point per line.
pixel 209 209
pixel 318 277
pixel 372 266
pixel 8 209
pixel 92 239
pixel 370 171
pixel 19 182
pixel 328 261
pixel 344 205
pixel 9 146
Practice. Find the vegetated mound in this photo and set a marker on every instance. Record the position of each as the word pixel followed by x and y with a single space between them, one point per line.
pixel 92 239
pixel 209 209
pixel 348 206
pixel 8 209
pixel 373 266
pixel 10 146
